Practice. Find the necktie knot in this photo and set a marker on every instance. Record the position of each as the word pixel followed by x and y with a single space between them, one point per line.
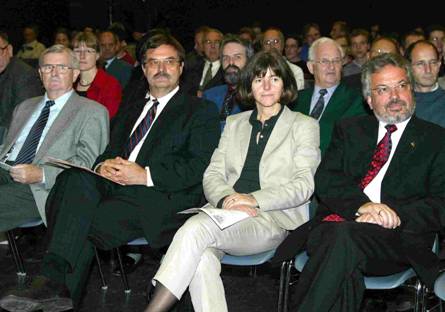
pixel 323 92
pixel 391 128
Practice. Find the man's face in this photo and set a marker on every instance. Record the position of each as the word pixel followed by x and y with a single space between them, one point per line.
pixel 272 40
pixel 327 65
pixel 312 35
pixel 336 31
pixel 436 37
pixel 5 54
pixel 391 96
pixel 162 68
pixel 382 46
pixel 425 66
pixel 57 81
pixel 233 60
pixel 359 46
pixel 29 35
pixel 212 41
pixel 410 39
pixel 199 47
pixel 108 46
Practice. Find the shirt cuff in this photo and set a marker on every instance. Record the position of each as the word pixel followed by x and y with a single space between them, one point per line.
pixel 149 179
pixel 43 177
pixel 97 166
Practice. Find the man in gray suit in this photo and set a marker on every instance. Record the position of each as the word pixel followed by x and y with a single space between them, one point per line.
pixel 60 124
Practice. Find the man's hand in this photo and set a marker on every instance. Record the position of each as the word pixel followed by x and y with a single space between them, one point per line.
pixel 239 199
pixel 26 174
pixel 123 171
pixel 379 213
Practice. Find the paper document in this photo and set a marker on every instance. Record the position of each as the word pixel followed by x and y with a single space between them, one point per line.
pixel 5 166
pixel 222 217
pixel 66 165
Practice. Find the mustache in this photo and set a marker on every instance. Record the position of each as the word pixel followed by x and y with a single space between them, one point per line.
pixel 396 101
pixel 161 74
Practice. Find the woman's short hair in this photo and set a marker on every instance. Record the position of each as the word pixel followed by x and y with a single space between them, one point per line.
pixel 88 38
pixel 258 66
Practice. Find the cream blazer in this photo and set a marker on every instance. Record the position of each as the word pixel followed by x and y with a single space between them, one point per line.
pixel 287 166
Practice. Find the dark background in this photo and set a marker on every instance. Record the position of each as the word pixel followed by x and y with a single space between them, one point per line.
pixel 182 17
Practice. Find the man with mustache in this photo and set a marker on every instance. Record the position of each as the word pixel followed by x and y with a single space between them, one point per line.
pixel 381 192
pixel 159 149
pixel 235 52
pixel 329 100
pixel 430 97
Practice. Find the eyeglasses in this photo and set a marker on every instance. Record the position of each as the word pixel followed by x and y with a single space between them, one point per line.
pixel 61 68
pixel 422 64
pixel 326 62
pixel 384 90
pixel 81 50
pixel 216 43
pixel 168 62
pixel 271 42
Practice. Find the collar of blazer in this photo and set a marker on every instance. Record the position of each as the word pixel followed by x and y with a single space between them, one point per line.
pixel 279 132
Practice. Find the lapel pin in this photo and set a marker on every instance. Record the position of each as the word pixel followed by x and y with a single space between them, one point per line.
pixel 413 144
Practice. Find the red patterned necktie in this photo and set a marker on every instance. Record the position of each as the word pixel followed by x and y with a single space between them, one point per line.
pixel 380 157
pixel 140 130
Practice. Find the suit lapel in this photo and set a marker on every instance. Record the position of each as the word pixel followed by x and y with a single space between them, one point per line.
pixel 66 115
pixel 304 101
pixel 367 143
pixel 243 135
pixel 336 104
pixel 279 132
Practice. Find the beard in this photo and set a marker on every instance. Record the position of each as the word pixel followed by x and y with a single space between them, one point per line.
pixel 401 116
pixel 232 75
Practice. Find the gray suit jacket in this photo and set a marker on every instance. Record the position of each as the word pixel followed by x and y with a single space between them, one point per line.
pixel 79 134
pixel 287 166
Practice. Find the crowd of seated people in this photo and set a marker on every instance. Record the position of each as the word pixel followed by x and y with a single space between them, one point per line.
pixel 263 123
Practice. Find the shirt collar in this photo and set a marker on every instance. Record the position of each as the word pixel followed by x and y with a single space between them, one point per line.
pixel 330 90
pixel 164 99
pixel 272 120
pixel 400 126
pixel 61 100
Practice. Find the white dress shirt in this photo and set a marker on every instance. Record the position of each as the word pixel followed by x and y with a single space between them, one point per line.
pixel 215 67
pixel 373 189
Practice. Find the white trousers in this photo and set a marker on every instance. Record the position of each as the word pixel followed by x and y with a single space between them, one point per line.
pixel 193 258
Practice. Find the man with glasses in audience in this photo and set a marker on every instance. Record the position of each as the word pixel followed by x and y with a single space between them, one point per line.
pixel 273 38
pixel 18 82
pixel 62 125
pixel 381 193
pixel 436 34
pixel 159 149
pixel 430 98
pixel 208 73
pixel 329 100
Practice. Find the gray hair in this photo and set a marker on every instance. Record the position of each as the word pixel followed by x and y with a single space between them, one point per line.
pixel 321 41
pixel 231 38
pixel 58 48
pixel 376 64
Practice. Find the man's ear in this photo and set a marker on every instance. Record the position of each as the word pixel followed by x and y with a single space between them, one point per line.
pixel 310 66
pixel 369 101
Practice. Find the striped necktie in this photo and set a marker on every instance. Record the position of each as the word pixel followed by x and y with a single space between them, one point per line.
pixel 140 131
pixel 29 148
pixel 319 106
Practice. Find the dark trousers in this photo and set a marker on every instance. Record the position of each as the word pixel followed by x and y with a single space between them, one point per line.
pixel 84 210
pixel 341 253
pixel 17 203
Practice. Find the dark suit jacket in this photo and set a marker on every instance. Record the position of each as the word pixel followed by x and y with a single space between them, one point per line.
pixel 414 186
pixel 345 102
pixel 120 70
pixel 192 77
pixel 177 150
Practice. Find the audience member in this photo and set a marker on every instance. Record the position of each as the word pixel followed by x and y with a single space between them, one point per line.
pixel 383 45
pixel 155 172
pixel 311 32
pixel 235 52
pixel 292 49
pixel 380 206
pixel 18 82
pixel 94 83
pixel 31 49
pixel 329 100
pixel 274 194
pixel 359 39
pixel 430 98
pixel 248 34
pixel 59 124
pixel 122 52
pixel 339 29
pixel 62 36
pixel 273 38
pixel 411 37
pixel 345 45
pixel 109 47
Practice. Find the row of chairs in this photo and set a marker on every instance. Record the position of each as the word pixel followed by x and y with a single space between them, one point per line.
pixel 381 282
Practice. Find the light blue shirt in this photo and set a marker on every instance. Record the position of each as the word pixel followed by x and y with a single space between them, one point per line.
pixel 327 97
pixel 53 113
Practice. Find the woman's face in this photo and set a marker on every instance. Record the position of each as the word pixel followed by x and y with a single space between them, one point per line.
pixel 87 56
pixel 62 39
pixel 267 90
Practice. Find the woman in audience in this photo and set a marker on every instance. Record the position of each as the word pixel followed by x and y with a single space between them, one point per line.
pixel 62 37
pixel 94 83
pixel 264 166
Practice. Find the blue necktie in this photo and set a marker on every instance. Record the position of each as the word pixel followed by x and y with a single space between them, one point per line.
pixel 140 130
pixel 318 108
pixel 29 148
